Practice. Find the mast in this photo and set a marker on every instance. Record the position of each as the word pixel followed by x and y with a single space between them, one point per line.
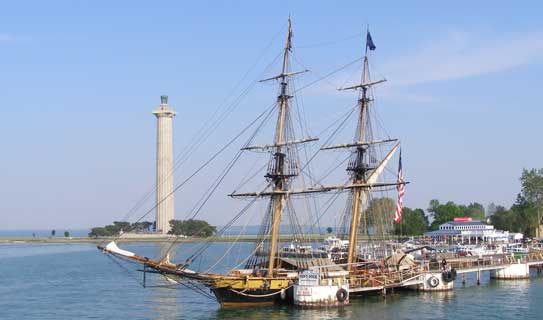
pixel 276 173
pixel 282 168
pixel 358 170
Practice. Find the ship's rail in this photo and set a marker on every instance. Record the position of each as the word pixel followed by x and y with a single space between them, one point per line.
pixel 367 279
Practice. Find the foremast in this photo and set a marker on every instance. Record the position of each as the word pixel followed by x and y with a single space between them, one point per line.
pixel 363 175
pixel 357 168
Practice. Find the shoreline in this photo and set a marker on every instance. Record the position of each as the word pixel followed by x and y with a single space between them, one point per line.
pixel 159 239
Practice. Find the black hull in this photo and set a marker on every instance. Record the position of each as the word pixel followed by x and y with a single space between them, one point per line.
pixel 229 298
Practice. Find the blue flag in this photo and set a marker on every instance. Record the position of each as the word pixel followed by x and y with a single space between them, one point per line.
pixel 369 42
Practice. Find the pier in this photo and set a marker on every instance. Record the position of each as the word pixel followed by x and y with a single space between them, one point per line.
pixel 430 275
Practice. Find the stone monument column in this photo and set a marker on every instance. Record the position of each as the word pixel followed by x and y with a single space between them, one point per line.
pixel 164 166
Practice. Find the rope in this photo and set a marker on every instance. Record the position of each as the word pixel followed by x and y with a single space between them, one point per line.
pixel 205 164
pixel 128 272
pixel 203 133
pixel 258 295
pixel 328 74
pixel 328 43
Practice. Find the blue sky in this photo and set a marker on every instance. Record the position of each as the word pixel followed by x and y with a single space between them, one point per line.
pixel 79 79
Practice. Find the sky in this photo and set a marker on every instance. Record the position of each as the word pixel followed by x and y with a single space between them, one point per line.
pixel 79 79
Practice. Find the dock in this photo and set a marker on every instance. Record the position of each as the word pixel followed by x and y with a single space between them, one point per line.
pixel 429 276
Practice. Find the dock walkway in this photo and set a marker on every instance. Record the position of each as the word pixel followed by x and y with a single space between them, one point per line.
pixel 366 281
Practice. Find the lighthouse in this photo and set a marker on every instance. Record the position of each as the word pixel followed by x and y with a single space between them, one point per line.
pixel 164 165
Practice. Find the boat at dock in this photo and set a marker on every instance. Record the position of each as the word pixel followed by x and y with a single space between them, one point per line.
pixel 272 274
pixel 359 258
pixel 269 273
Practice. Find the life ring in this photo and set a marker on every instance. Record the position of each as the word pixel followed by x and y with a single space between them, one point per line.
pixel 433 282
pixel 342 295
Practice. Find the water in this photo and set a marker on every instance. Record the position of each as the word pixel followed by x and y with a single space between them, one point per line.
pixel 76 281
pixel 40 233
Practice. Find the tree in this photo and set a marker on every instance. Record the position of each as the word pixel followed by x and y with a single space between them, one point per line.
pixel 443 212
pixel 191 227
pixel 329 230
pixel 521 217
pixel 120 226
pixel 526 219
pixel 53 232
pixel 532 192
pixel 66 234
pixel 143 226
pixel 414 222
pixel 99 232
pixel 491 209
pixel 379 216
pixel 474 210
pixel 503 219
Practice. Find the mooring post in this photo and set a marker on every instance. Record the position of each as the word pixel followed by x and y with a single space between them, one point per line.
pixel 478 277
pixel 463 279
pixel 384 293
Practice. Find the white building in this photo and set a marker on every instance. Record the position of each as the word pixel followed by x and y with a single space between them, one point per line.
pixel 471 231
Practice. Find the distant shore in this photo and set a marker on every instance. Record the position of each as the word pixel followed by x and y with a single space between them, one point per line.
pixel 157 238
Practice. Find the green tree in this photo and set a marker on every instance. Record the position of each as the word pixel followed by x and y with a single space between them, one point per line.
pixel 379 216
pixel 191 227
pixel 53 232
pixel 414 222
pixel 532 192
pixel 474 210
pixel 66 234
pixel 142 226
pixel 329 230
pixel 119 226
pixel 443 212
pixel 503 219
pixel 99 232
pixel 525 217
pixel 491 209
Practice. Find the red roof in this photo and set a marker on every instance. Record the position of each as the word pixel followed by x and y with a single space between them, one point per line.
pixel 462 219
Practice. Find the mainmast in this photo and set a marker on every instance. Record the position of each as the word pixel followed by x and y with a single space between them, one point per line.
pixel 282 168
pixel 276 172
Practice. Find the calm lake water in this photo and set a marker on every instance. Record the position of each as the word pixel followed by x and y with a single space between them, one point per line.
pixel 76 281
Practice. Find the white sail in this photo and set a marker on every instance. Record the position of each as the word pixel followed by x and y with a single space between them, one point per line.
pixel 377 172
pixel 113 248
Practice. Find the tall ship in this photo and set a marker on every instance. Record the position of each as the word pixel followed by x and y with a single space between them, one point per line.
pixel 279 271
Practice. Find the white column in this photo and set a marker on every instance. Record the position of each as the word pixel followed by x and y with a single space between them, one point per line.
pixel 164 166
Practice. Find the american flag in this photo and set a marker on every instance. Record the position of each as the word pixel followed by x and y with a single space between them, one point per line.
pixel 401 192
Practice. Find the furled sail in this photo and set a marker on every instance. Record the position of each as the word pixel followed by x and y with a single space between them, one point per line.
pixel 377 172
